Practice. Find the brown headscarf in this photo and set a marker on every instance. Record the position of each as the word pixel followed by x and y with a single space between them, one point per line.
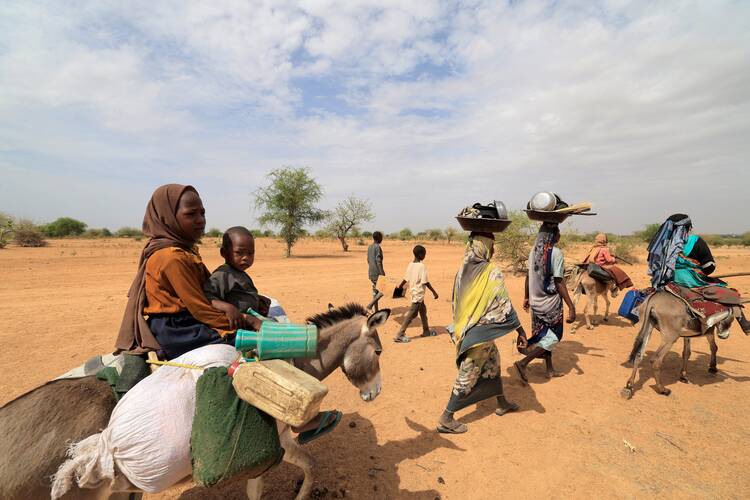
pixel 163 231
pixel 600 241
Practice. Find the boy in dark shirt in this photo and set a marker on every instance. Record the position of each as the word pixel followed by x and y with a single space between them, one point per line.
pixel 229 288
pixel 375 266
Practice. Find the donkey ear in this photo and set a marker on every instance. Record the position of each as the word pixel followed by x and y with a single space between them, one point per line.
pixel 378 319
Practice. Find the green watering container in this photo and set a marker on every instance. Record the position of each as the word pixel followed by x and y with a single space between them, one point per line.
pixel 278 341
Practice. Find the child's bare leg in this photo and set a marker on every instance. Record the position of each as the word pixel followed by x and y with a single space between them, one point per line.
pixel 551 372
pixel 533 353
pixel 410 315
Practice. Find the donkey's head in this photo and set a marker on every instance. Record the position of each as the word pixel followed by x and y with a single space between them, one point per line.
pixel 361 363
pixel 349 340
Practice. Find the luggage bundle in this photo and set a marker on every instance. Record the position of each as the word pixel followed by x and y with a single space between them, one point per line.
pixel 629 307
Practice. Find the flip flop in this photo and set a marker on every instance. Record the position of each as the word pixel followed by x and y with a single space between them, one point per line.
pixel 403 339
pixel 431 333
pixel 459 429
pixel 323 427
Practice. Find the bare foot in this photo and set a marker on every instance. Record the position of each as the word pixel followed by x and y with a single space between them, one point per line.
pixel 554 374
pixel 521 372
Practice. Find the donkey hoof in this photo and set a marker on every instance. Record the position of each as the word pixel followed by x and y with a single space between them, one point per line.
pixel 590 327
pixel 713 369
pixel 664 391
pixel 626 393
pixel 606 320
pixel 684 379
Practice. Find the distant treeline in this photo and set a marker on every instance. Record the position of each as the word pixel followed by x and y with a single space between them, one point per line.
pixel 25 232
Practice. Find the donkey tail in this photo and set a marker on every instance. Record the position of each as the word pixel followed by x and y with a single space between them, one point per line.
pixel 645 331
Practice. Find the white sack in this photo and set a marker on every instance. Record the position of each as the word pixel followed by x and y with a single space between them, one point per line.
pixel 148 435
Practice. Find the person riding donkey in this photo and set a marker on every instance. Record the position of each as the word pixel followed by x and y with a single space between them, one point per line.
pixel 603 257
pixel 676 257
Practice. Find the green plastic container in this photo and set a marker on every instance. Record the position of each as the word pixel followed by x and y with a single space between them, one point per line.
pixel 278 341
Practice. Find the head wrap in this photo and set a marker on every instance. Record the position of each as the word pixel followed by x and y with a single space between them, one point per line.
pixel 600 241
pixel 542 261
pixel 163 230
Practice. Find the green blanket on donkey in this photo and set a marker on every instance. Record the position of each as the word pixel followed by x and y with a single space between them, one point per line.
pixel 229 436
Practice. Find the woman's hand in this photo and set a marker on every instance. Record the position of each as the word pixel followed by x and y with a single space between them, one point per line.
pixel 522 342
pixel 434 294
pixel 571 315
pixel 251 322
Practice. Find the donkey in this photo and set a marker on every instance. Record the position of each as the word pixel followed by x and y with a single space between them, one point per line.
pixel 593 289
pixel 37 428
pixel 670 316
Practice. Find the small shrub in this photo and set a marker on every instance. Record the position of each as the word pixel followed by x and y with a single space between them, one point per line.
pixel 98 233
pixel 6 229
pixel 367 234
pixel 361 242
pixel 405 234
pixel 128 232
pixel 28 234
pixel 63 227
pixel 451 233
pixel 746 239
pixel 648 232
pixel 514 244
pixel 214 233
pixel 625 249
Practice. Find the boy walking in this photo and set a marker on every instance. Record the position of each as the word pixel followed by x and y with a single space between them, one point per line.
pixel 375 266
pixel 416 277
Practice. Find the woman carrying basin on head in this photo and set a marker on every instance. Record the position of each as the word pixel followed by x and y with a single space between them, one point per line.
pixel 482 312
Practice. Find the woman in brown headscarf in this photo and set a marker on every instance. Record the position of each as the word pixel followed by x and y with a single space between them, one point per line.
pixel 168 287
pixel 601 256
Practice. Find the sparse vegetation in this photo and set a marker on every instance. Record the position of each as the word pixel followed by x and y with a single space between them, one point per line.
pixel 63 227
pixel 6 229
pixel 451 233
pixel 345 218
pixel 513 245
pixel 214 233
pixel 28 234
pixel 288 201
pixel 129 232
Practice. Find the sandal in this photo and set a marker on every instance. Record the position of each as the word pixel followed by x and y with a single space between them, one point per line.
pixel 403 339
pixel 323 428
pixel 431 333
pixel 459 428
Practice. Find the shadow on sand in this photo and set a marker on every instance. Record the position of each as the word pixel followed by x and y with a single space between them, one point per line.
pixel 349 463
pixel 398 314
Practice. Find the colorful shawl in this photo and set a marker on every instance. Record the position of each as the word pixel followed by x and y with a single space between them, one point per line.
pixel 163 231
pixel 542 262
pixel 479 293
pixel 665 247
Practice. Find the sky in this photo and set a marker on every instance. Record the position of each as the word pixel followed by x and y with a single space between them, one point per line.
pixel 422 108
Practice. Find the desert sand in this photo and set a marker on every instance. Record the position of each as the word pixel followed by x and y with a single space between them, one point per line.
pixel 62 304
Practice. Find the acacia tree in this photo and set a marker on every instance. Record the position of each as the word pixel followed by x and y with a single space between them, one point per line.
pixel 451 233
pixel 514 244
pixel 346 217
pixel 288 201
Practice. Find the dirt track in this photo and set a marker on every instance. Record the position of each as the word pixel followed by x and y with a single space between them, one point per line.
pixel 61 304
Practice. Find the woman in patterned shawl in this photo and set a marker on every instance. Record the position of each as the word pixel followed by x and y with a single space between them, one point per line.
pixel 482 312
pixel 545 294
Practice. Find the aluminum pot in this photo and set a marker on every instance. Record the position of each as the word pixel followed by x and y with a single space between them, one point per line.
pixel 543 201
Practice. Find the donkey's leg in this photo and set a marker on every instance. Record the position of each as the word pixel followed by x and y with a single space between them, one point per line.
pixel 586 309
pixel 712 344
pixel 576 298
pixel 606 305
pixel 685 358
pixel 595 299
pixel 295 455
pixel 659 360
pixel 627 392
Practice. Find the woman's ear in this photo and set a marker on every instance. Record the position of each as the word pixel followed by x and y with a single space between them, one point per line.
pixel 378 319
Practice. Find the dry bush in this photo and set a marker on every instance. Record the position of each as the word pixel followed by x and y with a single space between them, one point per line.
pixel 513 245
pixel 28 234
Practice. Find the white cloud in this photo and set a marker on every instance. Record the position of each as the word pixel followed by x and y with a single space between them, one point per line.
pixel 628 104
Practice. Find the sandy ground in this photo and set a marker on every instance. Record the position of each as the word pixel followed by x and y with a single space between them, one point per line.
pixel 61 304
